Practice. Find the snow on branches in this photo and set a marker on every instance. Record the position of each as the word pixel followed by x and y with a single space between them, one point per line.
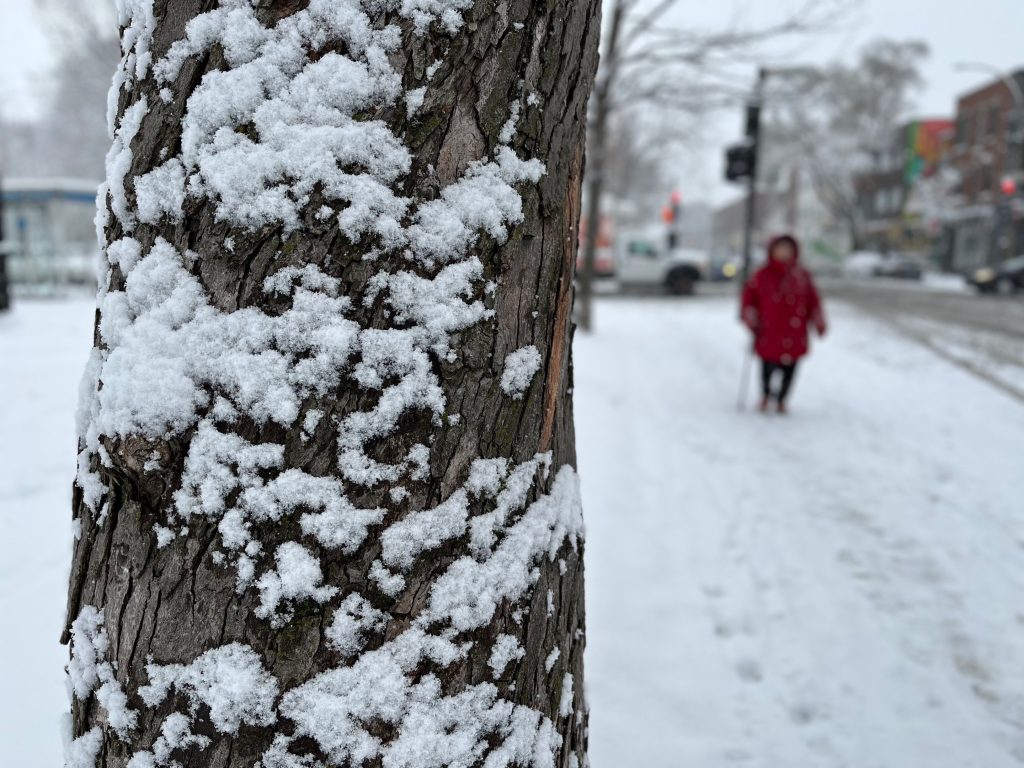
pixel 282 122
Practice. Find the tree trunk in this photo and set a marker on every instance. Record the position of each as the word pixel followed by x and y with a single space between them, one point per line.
pixel 597 161
pixel 595 170
pixel 325 510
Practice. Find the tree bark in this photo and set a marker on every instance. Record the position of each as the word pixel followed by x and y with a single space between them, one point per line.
pixel 168 587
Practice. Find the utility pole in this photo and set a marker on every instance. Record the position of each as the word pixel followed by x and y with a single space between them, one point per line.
pixel 5 296
pixel 741 163
pixel 753 131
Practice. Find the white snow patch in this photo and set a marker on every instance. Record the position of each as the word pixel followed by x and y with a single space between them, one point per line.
pixel 119 161
pixel 468 593
pixel 486 476
pixel 83 751
pixel 414 100
pixel 505 650
pixel 230 680
pixel 520 368
pixel 517 486
pixel 175 733
pixel 311 422
pixel 565 703
pixel 302 111
pixel 424 12
pixel 164 536
pixel 297 576
pixel 136 19
pixel 89 670
pixel 432 729
pixel 421 531
pixel 353 619
pixel 508 131
pixel 391 584
pixel 161 192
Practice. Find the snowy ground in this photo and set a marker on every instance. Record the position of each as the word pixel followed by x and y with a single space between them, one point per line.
pixel 43 346
pixel 841 587
pixel 997 357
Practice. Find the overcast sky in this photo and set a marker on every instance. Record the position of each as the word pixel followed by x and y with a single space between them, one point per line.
pixel 990 31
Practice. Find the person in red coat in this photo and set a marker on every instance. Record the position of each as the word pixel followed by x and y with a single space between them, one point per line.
pixel 779 302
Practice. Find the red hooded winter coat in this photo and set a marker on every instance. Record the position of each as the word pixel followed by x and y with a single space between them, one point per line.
pixel 778 303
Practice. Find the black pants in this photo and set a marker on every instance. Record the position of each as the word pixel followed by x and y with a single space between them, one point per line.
pixel 768 370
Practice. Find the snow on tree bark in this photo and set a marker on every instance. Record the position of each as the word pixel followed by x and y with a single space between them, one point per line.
pixel 313 525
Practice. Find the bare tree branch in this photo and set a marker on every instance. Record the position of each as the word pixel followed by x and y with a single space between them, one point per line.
pixel 679 74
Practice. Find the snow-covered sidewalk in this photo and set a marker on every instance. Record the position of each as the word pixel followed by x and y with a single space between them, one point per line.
pixel 841 587
pixel 44 346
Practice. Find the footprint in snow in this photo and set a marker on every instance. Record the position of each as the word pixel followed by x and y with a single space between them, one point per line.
pixel 749 671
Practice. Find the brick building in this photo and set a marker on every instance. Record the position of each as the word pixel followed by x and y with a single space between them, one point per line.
pixel 987 225
pixel 892 220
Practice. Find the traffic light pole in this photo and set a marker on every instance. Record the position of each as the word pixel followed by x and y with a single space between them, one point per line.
pixel 5 296
pixel 754 137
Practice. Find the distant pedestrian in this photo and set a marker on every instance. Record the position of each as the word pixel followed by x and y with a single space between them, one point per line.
pixel 779 302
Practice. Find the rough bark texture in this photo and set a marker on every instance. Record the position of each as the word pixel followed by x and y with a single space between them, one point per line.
pixel 172 604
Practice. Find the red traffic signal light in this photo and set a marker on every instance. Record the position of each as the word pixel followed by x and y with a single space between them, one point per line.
pixel 1009 186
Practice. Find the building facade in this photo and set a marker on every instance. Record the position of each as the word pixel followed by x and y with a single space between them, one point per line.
pixel 50 233
pixel 987 221
pixel 894 198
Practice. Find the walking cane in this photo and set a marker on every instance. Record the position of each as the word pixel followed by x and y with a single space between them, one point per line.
pixel 741 402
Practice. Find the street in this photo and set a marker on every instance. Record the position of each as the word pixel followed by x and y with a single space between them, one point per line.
pixel 903 300
pixel 983 334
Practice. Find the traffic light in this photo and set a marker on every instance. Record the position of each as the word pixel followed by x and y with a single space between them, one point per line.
pixel 739 162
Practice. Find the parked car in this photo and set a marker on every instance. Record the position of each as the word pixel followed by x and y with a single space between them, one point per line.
pixel 1005 279
pixel 901 266
pixel 862 263
pixel 724 269
pixel 640 263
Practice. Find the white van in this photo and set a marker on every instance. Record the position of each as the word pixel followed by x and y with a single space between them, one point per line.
pixel 641 263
